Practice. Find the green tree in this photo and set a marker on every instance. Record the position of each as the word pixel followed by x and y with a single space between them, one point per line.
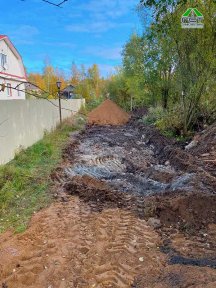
pixel 116 88
pixel 94 80
pixel 193 50
pixel 75 75
pixel 133 68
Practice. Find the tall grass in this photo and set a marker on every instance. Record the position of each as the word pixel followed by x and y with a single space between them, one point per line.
pixel 25 181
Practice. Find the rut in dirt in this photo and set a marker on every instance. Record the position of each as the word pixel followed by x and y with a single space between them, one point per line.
pixel 135 211
pixel 68 245
pixel 134 167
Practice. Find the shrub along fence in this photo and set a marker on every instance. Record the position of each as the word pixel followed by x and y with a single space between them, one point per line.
pixel 23 122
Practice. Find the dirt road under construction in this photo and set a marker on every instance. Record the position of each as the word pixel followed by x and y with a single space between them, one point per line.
pixel 132 209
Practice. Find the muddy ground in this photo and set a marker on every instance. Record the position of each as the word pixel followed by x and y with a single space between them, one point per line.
pixel 133 210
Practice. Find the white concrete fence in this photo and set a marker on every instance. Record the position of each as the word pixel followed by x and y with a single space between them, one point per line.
pixel 25 121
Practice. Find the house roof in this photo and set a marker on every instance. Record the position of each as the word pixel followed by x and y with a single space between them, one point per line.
pixel 2 36
pixel 5 38
pixel 14 50
pixel 69 88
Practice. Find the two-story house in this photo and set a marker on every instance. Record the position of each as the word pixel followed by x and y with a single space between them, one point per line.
pixel 12 71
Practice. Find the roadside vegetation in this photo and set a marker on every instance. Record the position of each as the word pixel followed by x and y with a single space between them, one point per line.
pixel 165 68
pixel 170 69
pixel 25 182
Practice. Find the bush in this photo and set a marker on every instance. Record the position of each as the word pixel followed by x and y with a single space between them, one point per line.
pixel 154 115
pixel 83 110
pixel 93 103
pixel 171 120
pixel 207 112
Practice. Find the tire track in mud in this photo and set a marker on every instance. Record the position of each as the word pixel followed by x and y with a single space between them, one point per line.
pixel 98 167
pixel 98 239
pixel 117 168
pixel 72 245
pixel 113 260
pixel 44 249
pixel 117 244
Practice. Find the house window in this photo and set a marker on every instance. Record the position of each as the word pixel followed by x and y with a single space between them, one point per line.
pixel 3 59
pixel 9 90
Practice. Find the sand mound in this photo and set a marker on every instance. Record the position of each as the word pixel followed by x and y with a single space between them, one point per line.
pixel 108 113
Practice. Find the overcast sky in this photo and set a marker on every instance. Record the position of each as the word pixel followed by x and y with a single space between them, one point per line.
pixel 83 31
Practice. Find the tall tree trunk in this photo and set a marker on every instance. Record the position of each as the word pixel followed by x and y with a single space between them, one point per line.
pixel 165 96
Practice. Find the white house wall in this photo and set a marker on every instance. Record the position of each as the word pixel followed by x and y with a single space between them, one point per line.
pixel 24 122
pixel 15 67
pixel 15 94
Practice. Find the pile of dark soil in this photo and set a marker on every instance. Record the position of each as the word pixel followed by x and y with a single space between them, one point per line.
pixel 108 113
pixel 206 141
pixel 97 193
pixel 134 169
pixel 142 158
pixel 186 211
pixel 205 150
pixel 167 149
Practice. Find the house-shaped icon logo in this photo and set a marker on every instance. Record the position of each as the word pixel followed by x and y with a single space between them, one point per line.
pixel 192 18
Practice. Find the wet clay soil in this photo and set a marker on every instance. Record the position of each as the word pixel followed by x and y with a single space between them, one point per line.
pixel 112 182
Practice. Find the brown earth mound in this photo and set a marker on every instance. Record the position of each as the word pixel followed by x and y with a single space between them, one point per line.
pixel 205 148
pixel 206 141
pixel 108 113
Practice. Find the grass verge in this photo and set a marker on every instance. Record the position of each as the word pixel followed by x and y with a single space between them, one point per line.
pixel 25 181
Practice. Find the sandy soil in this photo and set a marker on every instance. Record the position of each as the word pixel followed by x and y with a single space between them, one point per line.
pixel 108 113
pixel 68 245
pixel 98 233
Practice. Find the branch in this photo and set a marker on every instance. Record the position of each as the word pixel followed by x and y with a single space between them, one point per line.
pixel 40 97
pixel 54 4
pixel 57 5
